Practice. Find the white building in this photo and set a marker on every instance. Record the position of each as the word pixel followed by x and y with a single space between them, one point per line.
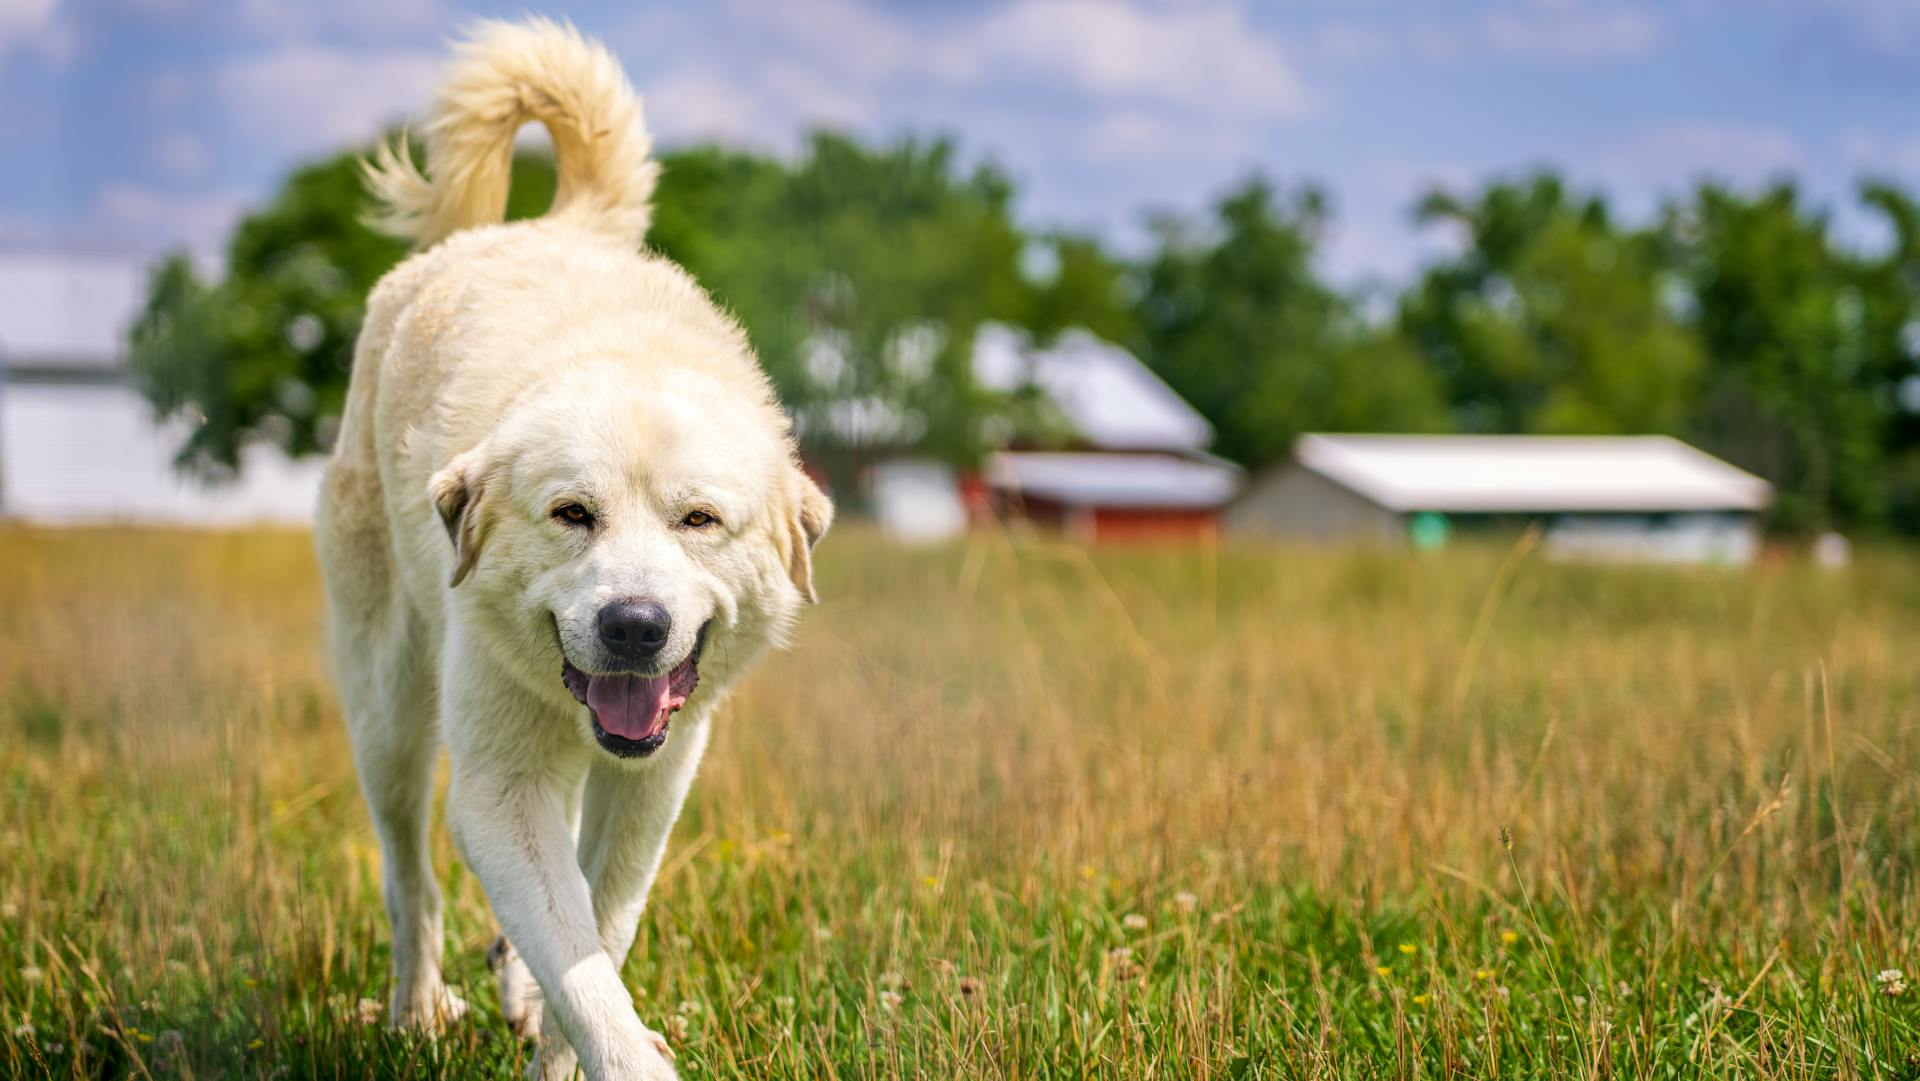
pixel 1641 498
pixel 78 443
pixel 1131 458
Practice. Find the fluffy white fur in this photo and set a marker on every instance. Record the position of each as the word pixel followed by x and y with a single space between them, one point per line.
pixel 502 372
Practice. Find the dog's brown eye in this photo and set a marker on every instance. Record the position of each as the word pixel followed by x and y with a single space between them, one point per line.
pixel 573 514
pixel 698 520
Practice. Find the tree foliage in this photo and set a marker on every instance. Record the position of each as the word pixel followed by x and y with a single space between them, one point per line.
pixel 1735 319
pixel 1234 318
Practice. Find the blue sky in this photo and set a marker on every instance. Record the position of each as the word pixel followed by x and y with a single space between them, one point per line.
pixel 139 125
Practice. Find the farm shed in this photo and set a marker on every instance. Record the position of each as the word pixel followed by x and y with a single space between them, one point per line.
pixel 1131 461
pixel 1635 498
pixel 78 442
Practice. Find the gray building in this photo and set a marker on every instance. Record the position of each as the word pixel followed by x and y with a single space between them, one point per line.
pixel 1629 498
pixel 78 442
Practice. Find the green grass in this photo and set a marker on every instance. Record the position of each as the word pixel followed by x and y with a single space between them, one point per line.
pixel 1015 809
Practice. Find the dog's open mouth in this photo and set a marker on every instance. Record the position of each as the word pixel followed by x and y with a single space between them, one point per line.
pixel 631 712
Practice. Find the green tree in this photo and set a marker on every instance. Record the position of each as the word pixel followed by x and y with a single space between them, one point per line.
pixel 860 273
pixel 1551 319
pixel 1809 343
pixel 264 353
pixel 1233 316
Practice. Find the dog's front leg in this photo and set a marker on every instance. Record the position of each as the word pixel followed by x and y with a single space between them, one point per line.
pixel 512 828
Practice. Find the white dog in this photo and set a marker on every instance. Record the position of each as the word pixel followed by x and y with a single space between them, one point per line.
pixel 564 515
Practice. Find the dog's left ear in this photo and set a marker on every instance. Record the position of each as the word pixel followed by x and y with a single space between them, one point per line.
pixel 809 514
pixel 457 491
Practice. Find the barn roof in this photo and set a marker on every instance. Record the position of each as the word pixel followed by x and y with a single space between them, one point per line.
pixel 1115 480
pixel 1514 474
pixel 61 309
pixel 1111 399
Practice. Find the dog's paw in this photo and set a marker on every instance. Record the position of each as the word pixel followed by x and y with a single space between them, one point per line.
pixel 658 1066
pixel 427 1009
pixel 520 1000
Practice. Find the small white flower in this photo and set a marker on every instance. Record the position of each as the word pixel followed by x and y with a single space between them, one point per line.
pixel 1185 901
pixel 890 1000
pixel 31 973
pixel 784 1002
pixel 1134 921
pixel 23 1031
pixel 690 1008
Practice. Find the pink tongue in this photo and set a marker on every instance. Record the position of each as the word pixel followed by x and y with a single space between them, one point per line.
pixel 631 707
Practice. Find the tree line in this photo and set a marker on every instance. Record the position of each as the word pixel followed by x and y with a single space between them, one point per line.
pixel 1735 319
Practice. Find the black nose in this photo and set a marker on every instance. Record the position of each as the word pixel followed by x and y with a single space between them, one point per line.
pixel 634 630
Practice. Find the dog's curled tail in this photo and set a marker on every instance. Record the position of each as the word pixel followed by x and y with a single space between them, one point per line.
pixel 502 76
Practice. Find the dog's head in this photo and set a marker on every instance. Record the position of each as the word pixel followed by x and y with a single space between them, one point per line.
pixel 632 534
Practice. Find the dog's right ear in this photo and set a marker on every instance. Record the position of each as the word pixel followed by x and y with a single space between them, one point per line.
pixel 457 491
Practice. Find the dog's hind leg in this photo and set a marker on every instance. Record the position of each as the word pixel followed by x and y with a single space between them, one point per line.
pixel 394 749
pixel 385 673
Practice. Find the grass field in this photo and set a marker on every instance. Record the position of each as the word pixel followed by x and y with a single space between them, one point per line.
pixel 1021 810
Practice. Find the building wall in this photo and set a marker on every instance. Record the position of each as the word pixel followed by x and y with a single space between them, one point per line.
pixel 1095 523
pixel 1154 524
pixel 1727 538
pixel 1294 503
pixel 75 454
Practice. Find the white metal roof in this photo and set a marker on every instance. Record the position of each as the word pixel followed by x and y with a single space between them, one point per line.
pixel 1111 399
pixel 1531 474
pixel 68 309
pixel 1115 480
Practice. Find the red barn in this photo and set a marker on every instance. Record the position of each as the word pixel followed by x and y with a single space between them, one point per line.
pixel 1133 461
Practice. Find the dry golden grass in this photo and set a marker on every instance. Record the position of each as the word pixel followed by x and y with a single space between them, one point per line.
pixel 1023 810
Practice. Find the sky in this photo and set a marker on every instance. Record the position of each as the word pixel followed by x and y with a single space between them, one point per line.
pixel 140 126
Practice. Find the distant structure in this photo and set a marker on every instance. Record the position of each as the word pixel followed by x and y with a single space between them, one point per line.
pixel 1627 498
pixel 78 442
pixel 1125 456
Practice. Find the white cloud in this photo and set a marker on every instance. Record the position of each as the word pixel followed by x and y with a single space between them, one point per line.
pixel 1874 152
pixel 1558 30
pixel 1671 156
pixel 1571 30
pixel 34 26
pixel 695 103
pixel 798 64
pixel 136 220
pixel 140 217
pixel 369 20
pixel 306 98
pixel 864 42
pixel 1201 56
pixel 1127 133
pixel 180 153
